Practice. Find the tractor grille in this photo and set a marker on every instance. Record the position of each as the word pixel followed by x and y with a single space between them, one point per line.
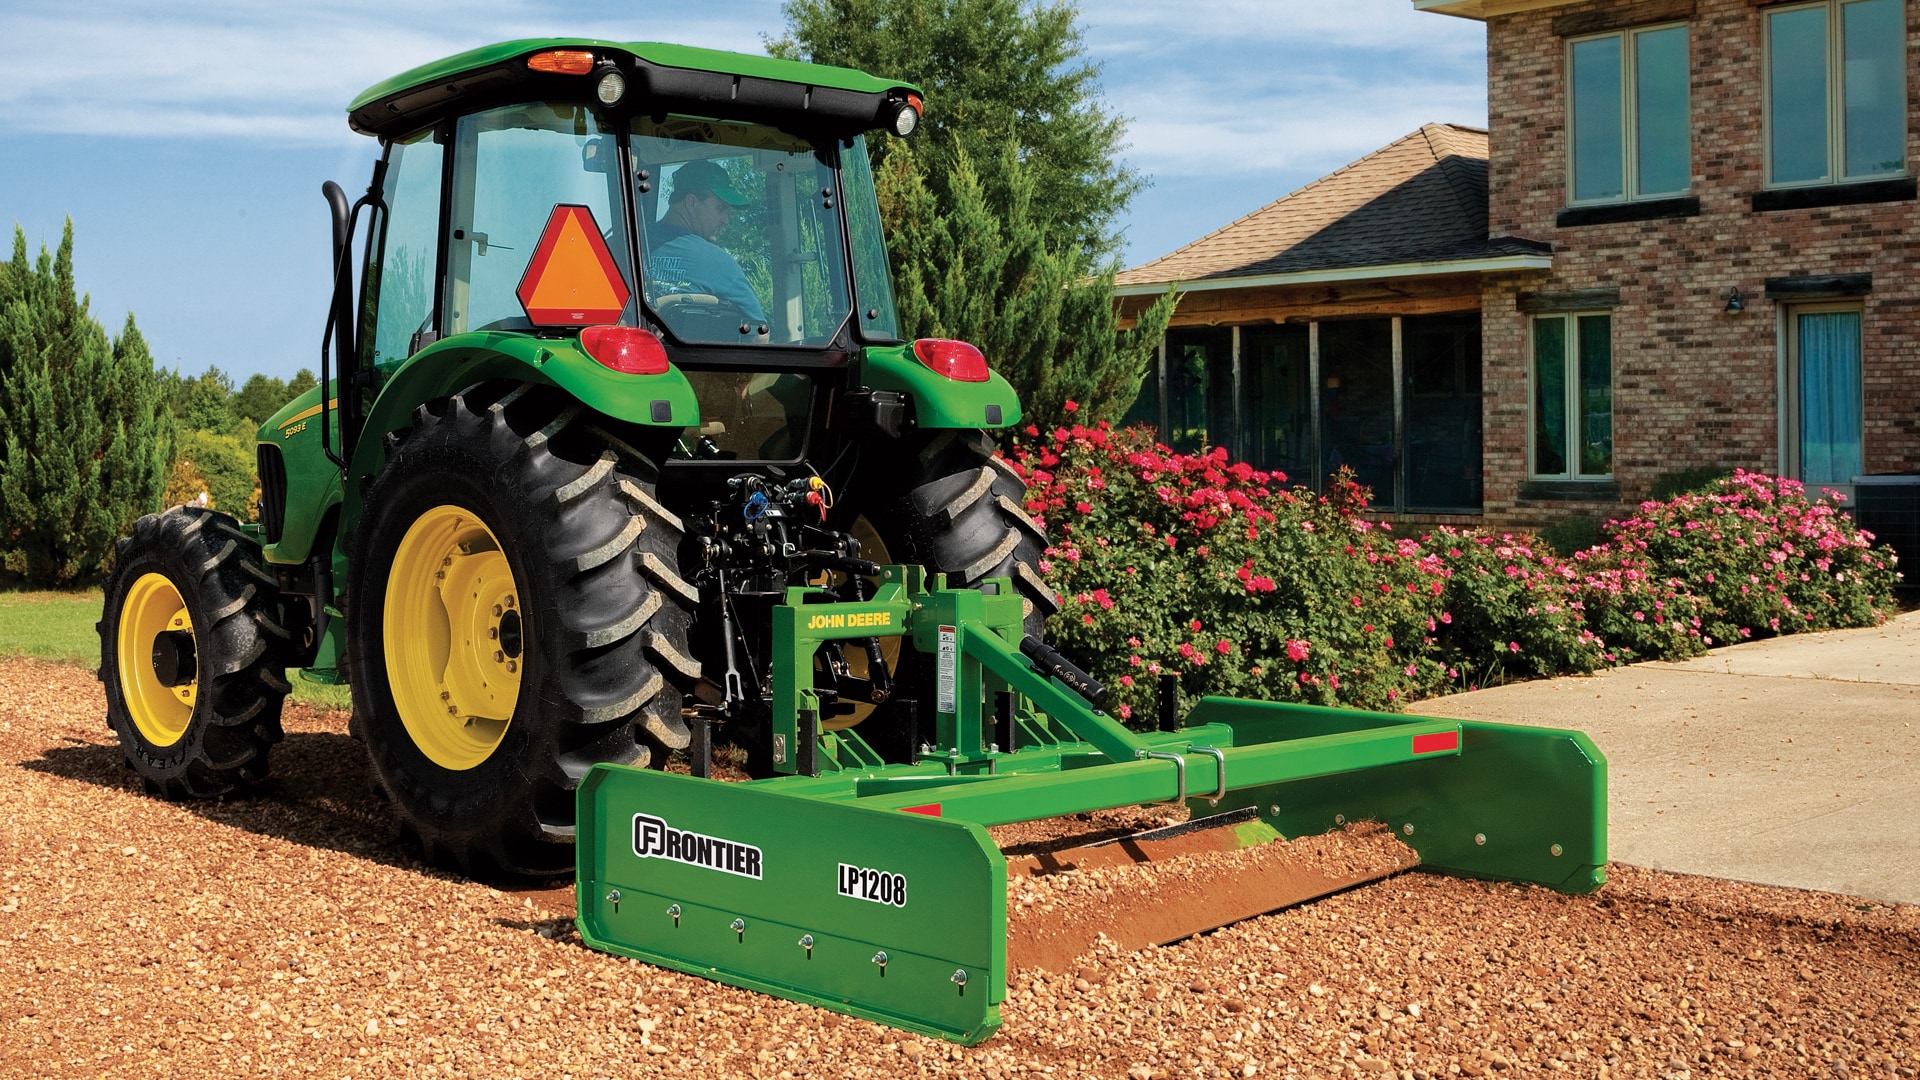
pixel 273 492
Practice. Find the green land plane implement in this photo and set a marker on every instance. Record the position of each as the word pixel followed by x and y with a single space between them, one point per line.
pixel 619 455
pixel 874 888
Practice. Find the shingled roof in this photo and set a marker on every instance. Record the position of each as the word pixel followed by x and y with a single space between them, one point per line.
pixel 1419 200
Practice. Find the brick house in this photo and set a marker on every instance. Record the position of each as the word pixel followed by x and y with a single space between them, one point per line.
pixel 1727 188
pixel 1340 325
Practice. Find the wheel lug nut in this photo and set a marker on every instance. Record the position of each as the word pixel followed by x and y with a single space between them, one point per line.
pixel 498 611
pixel 493 633
pixel 446 695
pixel 512 667
pixel 498 656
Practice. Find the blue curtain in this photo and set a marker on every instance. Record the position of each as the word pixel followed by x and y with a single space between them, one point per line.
pixel 1830 397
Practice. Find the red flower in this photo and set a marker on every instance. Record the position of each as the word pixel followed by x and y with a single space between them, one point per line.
pixel 1071 406
pixel 1223 646
pixel 1296 650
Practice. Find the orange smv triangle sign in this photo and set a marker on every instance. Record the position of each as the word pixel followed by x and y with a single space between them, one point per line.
pixel 571 279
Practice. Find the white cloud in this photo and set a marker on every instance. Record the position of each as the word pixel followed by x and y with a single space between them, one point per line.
pixel 274 71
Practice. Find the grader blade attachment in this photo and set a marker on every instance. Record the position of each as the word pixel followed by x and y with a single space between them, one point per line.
pixel 874 889
pixel 898 918
pixel 1203 892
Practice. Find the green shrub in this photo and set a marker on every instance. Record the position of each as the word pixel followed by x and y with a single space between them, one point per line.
pixel 1688 481
pixel 1190 564
pixel 1572 534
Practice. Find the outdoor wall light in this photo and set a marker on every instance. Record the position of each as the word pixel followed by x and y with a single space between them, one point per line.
pixel 1735 305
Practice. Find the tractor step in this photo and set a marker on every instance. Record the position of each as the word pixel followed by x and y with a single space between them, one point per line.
pixel 1231 867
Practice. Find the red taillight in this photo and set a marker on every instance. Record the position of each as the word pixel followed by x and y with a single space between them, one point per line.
pixel 956 360
pixel 626 349
pixel 562 62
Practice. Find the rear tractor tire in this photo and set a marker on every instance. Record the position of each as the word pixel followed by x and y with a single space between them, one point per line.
pixel 191 653
pixel 964 516
pixel 515 616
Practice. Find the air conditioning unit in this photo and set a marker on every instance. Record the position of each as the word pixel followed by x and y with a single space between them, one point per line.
pixel 1889 508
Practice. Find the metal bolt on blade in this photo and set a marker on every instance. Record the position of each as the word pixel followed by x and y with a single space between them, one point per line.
pixel 806 942
pixel 739 928
pixel 1338 819
pixel 674 910
pixel 959 978
pixel 880 959
pixel 1557 850
pixel 1480 838
pixel 1274 810
pixel 613 897
pixel 1407 828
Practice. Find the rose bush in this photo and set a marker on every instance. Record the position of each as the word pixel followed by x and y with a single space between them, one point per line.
pixel 1192 565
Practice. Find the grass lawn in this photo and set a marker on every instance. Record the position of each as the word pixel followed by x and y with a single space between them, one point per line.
pixel 59 626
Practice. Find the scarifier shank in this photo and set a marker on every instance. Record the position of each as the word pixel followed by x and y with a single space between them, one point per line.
pixel 814 885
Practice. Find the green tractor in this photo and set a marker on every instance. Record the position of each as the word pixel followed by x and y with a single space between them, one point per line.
pixel 620 364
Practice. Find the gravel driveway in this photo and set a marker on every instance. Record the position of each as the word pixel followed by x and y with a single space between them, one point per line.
pixel 287 934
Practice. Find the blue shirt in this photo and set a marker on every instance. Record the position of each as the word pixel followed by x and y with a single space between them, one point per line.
pixel 693 263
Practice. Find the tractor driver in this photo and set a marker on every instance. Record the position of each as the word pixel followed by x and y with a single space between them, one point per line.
pixel 683 249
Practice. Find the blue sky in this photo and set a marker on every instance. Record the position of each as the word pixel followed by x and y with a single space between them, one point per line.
pixel 188 140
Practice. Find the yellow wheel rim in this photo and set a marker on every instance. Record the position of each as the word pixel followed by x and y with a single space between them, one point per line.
pixel 455 643
pixel 872 549
pixel 160 712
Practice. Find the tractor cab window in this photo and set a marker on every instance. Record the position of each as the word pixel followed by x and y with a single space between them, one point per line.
pixel 740 232
pixel 512 166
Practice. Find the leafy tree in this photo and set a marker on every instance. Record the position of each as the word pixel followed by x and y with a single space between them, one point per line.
pixel 225 463
pixel 209 404
pixel 301 382
pixel 84 440
pixel 259 398
pixel 1000 213
pixel 1004 79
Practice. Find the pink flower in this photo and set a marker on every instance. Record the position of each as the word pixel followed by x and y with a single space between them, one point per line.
pixel 1513 646
pixel 1223 646
pixel 1071 406
pixel 1194 626
pixel 1296 650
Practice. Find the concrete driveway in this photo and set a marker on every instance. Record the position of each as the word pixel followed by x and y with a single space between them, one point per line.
pixel 1793 761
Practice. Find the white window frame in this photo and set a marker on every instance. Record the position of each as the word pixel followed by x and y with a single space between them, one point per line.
pixel 1629 117
pixel 1836 97
pixel 1789 381
pixel 1571 449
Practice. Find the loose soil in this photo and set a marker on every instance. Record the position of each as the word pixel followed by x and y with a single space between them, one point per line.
pixel 289 934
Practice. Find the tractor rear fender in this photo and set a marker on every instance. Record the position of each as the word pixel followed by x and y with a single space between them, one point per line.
pixel 455 363
pixel 940 402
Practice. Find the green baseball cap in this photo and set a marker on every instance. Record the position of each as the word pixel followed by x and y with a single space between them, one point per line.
pixel 707 176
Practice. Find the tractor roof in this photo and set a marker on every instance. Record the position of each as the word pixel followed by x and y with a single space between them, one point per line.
pixel 675 76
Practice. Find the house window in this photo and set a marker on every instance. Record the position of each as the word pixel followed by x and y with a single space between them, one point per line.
pixel 1573 396
pixel 1627 112
pixel 1836 91
pixel 1822 406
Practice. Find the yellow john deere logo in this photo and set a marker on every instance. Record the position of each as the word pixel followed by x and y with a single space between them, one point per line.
pixel 843 620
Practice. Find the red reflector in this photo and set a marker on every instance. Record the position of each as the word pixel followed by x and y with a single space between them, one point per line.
pixel 562 62
pixel 1436 742
pixel 957 360
pixel 626 349
pixel 914 100
pixel 931 809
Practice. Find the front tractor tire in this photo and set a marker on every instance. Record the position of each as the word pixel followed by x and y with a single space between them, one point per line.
pixel 515 616
pixel 191 654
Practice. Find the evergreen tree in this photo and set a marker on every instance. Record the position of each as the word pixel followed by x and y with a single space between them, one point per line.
pixel 84 443
pixel 301 382
pixel 1000 211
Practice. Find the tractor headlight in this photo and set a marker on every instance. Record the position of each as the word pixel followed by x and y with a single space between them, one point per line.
pixel 906 116
pixel 612 87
